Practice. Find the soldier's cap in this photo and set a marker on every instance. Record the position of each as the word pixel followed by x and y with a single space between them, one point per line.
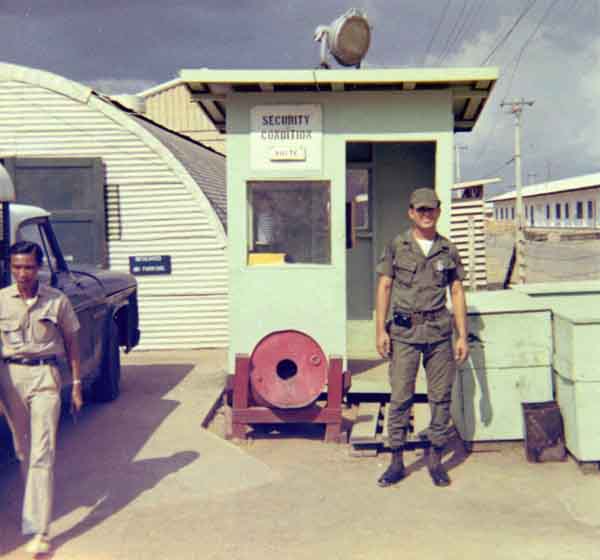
pixel 424 198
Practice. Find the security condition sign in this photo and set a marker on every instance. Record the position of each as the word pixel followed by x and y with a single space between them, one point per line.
pixel 286 137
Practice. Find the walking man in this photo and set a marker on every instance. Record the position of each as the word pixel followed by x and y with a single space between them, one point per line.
pixel 38 325
pixel 412 322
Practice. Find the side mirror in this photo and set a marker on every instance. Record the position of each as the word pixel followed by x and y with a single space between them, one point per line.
pixel 7 188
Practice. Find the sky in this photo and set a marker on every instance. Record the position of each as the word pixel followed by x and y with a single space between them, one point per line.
pixel 547 51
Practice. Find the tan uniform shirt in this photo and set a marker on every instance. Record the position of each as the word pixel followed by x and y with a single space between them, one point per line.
pixel 35 330
pixel 420 283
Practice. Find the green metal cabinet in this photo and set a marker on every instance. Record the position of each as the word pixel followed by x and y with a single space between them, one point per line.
pixel 510 363
pixel 577 375
pixel 553 293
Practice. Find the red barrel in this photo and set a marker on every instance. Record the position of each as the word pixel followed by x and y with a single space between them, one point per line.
pixel 288 369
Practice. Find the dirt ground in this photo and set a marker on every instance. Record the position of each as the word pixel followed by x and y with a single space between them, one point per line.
pixel 139 478
pixel 327 503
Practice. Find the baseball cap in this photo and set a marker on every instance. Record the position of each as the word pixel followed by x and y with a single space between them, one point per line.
pixel 424 198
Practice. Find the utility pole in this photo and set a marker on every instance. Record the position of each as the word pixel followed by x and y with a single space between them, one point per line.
pixel 457 149
pixel 516 108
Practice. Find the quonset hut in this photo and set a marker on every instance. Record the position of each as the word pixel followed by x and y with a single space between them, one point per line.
pixel 125 193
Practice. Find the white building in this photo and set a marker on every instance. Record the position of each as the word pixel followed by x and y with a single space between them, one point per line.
pixel 567 203
pixel 171 104
pixel 123 188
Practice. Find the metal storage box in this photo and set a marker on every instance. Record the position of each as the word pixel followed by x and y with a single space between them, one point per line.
pixel 510 338
pixel 577 375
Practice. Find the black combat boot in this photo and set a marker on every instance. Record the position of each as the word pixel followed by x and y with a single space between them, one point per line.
pixel 436 469
pixel 395 472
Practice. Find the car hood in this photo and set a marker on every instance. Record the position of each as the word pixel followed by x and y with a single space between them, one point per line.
pixel 111 281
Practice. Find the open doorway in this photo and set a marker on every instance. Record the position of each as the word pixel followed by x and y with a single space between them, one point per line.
pixel 379 179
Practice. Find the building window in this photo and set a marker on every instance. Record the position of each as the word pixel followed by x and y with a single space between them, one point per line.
pixel 512 213
pixel 579 210
pixel 502 213
pixel 566 210
pixel 547 211
pixel 590 213
pixel 112 205
pixel 290 222
pixel 527 211
pixel 557 211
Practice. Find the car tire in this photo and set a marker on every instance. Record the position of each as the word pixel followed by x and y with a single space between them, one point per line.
pixel 107 386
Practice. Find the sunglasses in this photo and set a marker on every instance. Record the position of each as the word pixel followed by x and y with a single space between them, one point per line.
pixel 425 209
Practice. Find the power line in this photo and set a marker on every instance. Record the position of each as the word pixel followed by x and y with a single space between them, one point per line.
pixel 445 49
pixel 467 21
pixel 509 32
pixel 436 31
pixel 505 164
pixel 515 60
pixel 526 44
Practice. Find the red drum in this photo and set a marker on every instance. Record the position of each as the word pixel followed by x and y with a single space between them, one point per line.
pixel 288 369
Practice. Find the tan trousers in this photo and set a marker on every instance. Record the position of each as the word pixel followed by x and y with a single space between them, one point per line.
pixel 31 399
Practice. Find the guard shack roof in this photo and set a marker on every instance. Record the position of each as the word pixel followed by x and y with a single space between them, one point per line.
pixel 470 87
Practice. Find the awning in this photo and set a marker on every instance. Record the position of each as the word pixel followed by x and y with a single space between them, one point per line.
pixel 471 87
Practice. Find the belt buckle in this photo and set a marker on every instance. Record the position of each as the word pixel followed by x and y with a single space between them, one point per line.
pixel 418 318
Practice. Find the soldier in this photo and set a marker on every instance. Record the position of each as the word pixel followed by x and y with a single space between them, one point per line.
pixel 38 325
pixel 414 272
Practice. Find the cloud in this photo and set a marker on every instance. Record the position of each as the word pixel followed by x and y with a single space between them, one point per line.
pixel 559 132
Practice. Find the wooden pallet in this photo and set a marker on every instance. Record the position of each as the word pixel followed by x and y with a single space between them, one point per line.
pixel 369 433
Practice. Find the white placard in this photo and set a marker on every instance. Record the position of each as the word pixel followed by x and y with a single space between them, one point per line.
pixel 286 137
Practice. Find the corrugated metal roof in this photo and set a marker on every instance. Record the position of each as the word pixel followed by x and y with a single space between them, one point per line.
pixel 476 182
pixel 471 87
pixel 205 165
pixel 552 187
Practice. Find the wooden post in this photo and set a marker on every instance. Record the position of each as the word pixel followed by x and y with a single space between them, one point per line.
pixel 241 383
pixel 334 398
pixel 472 255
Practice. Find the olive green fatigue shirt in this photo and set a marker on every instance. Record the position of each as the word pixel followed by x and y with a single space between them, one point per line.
pixel 419 284
pixel 35 330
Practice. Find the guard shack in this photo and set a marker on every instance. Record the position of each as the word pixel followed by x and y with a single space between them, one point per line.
pixel 320 165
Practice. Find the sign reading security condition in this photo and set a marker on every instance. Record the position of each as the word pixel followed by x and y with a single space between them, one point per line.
pixel 286 137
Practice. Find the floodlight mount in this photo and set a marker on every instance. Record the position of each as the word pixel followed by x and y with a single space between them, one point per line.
pixel 347 38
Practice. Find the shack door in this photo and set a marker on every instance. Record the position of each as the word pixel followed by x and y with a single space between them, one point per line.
pixel 72 189
pixel 379 179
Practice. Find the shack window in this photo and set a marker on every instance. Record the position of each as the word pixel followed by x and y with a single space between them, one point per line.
pixel 289 222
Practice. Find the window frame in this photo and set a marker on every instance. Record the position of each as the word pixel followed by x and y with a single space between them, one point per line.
pixel 273 183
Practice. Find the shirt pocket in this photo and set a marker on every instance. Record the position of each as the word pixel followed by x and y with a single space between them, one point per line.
pixel 12 333
pixel 44 328
pixel 404 271
pixel 444 271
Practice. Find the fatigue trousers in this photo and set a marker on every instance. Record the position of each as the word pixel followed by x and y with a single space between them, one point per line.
pixel 440 367
pixel 31 399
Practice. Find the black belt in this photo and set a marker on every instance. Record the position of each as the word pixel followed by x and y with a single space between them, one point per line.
pixel 409 318
pixel 31 361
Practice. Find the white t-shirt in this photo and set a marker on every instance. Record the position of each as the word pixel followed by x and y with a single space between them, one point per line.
pixel 425 245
